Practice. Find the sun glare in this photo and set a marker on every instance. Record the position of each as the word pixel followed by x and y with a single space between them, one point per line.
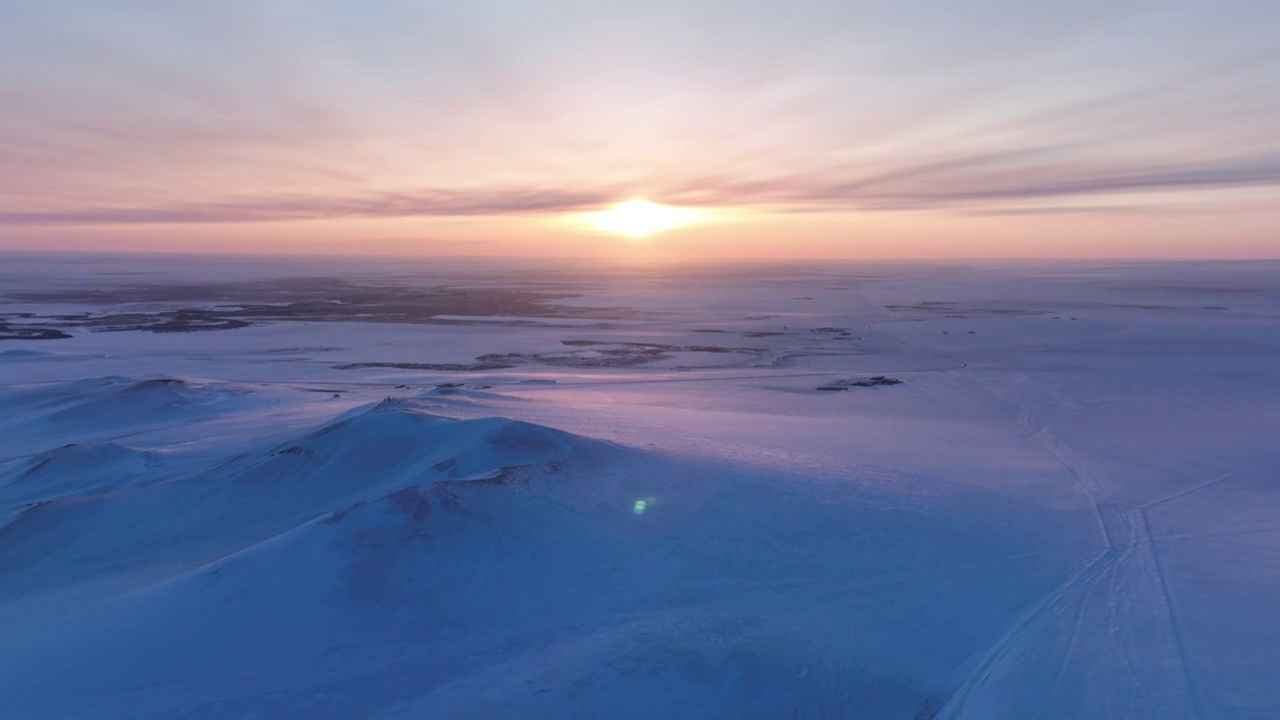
pixel 640 218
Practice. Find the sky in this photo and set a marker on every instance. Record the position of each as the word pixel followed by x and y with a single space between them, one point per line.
pixel 799 129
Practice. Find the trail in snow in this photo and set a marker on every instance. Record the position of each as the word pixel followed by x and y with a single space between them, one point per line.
pixel 1100 608
pixel 1105 609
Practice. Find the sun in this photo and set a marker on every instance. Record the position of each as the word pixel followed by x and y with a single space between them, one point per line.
pixel 640 218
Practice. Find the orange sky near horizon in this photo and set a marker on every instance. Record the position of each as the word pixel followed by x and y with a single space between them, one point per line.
pixel 741 234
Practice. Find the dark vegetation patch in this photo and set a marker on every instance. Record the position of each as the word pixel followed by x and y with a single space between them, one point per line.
pixel 603 357
pixel 227 306
pixel 950 309
pixel 185 320
pixel 874 381
pixel 434 367
pixel 587 354
pixel 28 332
pixel 301 350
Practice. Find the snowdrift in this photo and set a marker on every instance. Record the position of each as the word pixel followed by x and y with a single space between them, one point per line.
pixel 77 470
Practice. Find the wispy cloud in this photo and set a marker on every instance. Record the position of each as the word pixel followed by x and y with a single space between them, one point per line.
pixel 388 205
pixel 281 112
pixel 971 183
pixel 956 183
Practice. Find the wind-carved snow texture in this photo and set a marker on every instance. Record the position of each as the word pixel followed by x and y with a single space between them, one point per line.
pixel 1043 491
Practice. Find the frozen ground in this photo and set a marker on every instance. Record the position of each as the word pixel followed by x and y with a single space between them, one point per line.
pixel 258 488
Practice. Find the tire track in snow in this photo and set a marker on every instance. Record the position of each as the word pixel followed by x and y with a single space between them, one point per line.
pixel 1049 446
pixel 1175 618
pixel 1170 600
pixel 1115 593
pixel 1007 645
pixel 1108 570
pixel 1188 491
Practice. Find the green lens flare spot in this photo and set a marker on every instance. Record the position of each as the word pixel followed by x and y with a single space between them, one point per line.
pixel 639 507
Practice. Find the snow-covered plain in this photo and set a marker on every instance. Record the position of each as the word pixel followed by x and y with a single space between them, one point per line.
pixel 473 490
